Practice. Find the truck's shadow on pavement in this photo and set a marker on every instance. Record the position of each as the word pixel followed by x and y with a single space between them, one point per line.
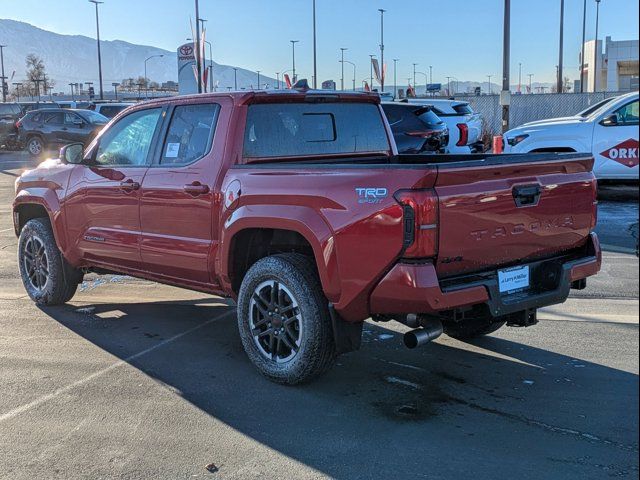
pixel 386 412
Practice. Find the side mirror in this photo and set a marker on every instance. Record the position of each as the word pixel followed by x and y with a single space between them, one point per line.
pixel 72 153
pixel 609 121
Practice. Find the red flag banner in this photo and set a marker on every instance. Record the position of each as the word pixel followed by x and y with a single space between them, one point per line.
pixel 287 80
pixel 376 69
pixel 366 87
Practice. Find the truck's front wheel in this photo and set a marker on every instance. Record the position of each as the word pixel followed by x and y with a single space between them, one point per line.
pixel 284 320
pixel 47 277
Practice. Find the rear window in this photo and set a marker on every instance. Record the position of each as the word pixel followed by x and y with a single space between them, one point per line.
pixel 297 129
pixel 10 109
pixel 111 111
pixel 463 109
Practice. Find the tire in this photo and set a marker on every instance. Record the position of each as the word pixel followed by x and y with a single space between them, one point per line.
pixel 46 275
pixel 295 343
pixel 35 146
pixel 468 329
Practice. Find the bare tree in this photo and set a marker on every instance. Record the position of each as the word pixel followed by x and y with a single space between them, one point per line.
pixel 37 80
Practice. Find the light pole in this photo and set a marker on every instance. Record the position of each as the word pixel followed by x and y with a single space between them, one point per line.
pixel 584 32
pixel 198 49
pixel 96 2
pixel 277 80
pixel 596 53
pixel 430 80
pixel 315 57
pixel 414 75
pixel 258 72
pixel 371 71
pixel 560 82
pixel 489 82
pixel 2 77
pixel 506 50
pixel 210 65
pixel 235 78
pixel 342 49
pixel 146 80
pixel 426 79
pixel 73 98
pixel 519 77
pixel 354 71
pixel 115 86
pixel 293 53
pixel 530 75
pixel 381 49
pixel 395 78
pixel 17 85
pixel 448 85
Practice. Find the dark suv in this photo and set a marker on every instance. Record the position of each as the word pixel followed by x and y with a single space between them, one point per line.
pixel 10 113
pixel 416 129
pixel 42 129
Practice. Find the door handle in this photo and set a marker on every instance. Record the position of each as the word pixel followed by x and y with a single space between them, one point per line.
pixel 129 185
pixel 196 188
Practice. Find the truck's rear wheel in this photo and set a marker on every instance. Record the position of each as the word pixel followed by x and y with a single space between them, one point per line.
pixel 472 328
pixel 47 277
pixel 284 320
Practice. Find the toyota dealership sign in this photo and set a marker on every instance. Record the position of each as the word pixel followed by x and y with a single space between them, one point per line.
pixel 187 83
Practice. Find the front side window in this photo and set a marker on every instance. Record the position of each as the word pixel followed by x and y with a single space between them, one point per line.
pixel 71 118
pixel 304 129
pixel 53 118
pixel 628 115
pixel 190 133
pixel 127 143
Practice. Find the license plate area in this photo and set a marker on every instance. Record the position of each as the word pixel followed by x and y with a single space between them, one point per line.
pixel 514 280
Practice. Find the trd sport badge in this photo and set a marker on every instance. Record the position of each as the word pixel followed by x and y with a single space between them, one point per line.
pixel 625 153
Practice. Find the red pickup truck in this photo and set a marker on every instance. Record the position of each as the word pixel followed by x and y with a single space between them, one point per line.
pixel 297 205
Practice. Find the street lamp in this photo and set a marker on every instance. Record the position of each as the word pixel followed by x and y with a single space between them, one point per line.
pixel 277 80
pixel 381 49
pixel 395 78
pixel 414 75
pixel 595 50
pixel 426 79
pixel 2 77
pixel 354 72
pixel 489 89
pixel 17 85
pixel 315 56
pixel 146 80
pixel 530 75
pixel 520 77
pixel 115 86
pixel 258 72
pixel 342 49
pixel 293 51
pixel 235 78
pixel 584 32
pixel 96 2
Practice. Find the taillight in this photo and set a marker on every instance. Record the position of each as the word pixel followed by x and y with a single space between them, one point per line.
pixel 464 134
pixel 420 222
pixel 18 124
pixel 422 134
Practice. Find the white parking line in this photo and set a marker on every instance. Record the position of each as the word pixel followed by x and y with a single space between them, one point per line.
pixel 49 396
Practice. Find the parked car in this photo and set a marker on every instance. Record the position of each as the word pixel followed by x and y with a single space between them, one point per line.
pixel 74 104
pixel 10 113
pixel 465 126
pixel 610 133
pixel 297 205
pixel 110 109
pixel 416 129
pixel 28 106
pixel 39 130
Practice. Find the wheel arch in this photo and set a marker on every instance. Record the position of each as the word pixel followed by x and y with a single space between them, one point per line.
pixel 42 203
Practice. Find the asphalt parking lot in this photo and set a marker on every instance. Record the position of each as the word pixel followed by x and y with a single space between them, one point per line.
pixel 138 380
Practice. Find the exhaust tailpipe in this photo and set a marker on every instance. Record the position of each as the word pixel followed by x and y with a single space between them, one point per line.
pixel 431 329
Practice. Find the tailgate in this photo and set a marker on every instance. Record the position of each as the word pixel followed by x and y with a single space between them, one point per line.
pixel 513 208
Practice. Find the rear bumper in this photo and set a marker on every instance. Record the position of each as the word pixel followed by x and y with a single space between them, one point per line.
pixel 413 288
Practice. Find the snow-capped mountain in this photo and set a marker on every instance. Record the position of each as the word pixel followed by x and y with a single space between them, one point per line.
pixel 72 59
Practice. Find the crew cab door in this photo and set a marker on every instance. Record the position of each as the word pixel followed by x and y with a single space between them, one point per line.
pixel 615 143
pixel 102 206
pixel 178 207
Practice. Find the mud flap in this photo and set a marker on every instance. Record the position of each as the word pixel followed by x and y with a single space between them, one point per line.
pixel 346 335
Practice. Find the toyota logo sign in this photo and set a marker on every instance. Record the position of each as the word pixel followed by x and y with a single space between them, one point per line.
pixel 186 50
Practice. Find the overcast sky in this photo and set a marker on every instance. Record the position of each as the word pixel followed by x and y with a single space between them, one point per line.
pixel 462 39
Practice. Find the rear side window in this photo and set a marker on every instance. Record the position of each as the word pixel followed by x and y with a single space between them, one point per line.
pixel 9 109
pixel 300 129
pixel 190 133
pixel 53 118
pixel 111 111
pixel 463 109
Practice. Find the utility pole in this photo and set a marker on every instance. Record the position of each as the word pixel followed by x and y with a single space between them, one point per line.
pixel 293 51
pixel 584 31
pixel 342 49
pixel 315 57
pixel 2 77
pixel 559 88
pixel 596 52
pixel 96 2
pixel 381 49
pixel 505 94
pixel 414 75
pixel 395 78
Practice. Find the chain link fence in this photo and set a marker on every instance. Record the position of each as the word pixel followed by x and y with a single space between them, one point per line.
pixel 528 108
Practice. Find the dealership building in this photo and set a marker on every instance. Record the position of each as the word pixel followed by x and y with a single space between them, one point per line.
pixel 617 66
